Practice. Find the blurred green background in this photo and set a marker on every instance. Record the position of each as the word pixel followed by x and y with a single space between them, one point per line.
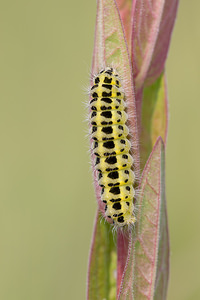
pixel 47 202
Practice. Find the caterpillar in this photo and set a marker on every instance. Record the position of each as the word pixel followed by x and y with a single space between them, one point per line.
pixel 111 147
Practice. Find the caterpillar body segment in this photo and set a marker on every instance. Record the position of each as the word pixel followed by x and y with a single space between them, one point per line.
pixel 118 178
pixel 101 104
pixel 104 133
pixel 113 163
pixel 111 147
pixel 117 193
pixel 108 117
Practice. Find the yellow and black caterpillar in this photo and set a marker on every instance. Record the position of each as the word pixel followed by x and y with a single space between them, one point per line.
pixel 111 147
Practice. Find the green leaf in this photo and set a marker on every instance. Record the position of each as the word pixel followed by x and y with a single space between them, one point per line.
pixel 153 22
pixel 102 263
pixel 110 49
pixel 123 241
pixel 147 270
pixel 126 289
pixel 125 8
pixel 154 116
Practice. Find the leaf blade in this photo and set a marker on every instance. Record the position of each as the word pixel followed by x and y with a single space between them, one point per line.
pixel 125 8
pixel 154 120
pixel 102 263
pixel 163 41
pixel 111 50
pixel 162 272
pixel 122 254
pixel 147 17
pixel 147 257
pixel 153 22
